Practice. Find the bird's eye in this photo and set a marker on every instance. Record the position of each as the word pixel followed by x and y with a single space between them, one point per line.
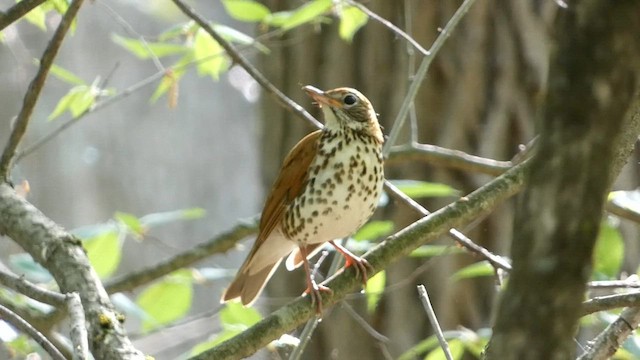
pixel 349 99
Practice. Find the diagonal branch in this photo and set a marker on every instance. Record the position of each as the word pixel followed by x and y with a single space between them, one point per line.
pixel 427 229
pixel 33 93
pixel 21 324
pixel 17 11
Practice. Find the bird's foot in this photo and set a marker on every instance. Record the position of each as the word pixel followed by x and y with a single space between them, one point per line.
pixel 314 290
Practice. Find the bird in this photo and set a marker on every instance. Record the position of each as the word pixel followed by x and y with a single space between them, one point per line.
pixel 327 188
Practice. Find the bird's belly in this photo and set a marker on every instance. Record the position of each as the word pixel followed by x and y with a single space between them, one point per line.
pixel 337 200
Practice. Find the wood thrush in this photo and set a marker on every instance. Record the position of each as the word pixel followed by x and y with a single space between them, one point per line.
pixel 328 187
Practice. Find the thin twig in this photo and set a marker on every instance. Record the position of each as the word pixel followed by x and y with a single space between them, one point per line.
pixel 608 302
pixel 363 323
pixel 422 72
pixel 19 323
pixel 424 297
pixel 612 284
pixel 624 212
pixel 390 26
pixel 17 11
pixel 21 285
pixel 305 336
pixel 238 58
pixel 35 87
pixel 78 333
pixel 455 159
pixel 613 336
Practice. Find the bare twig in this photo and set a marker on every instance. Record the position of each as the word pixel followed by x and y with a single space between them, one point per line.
pixel 238 58
pixel 390 26
pixel 33 93
pixel 21 285
pixel 622 211
pixel 611 284
pixel 611 338
pixel 424 297
pixel 78 334
pixel 363 323
pixel 454 159
pixel 305 336
pixel 422 72
pixel 602 303
pixel 17 11
pixel 15 320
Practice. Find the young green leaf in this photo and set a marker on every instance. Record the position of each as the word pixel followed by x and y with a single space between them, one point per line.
pixel 420 189
pixel 456 347
pixel 37 17
pixel 171 216
pixel 609 251
pixel 481 268
pixel 238 37
pixel 146 50
pixel 172 77
pixel 234 316
pixel 211 56
pixel 246 10
pixel 133 224
pixel 374 289
pixel 306 13
pixel 66 75
pixel 435 250
pixel 351 20
pixel 79 99
pixel 168 300
pixel 373 230
pixel 104 251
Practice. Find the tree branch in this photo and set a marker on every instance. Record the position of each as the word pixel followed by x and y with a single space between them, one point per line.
pixel 17 11
pixel 602 303
pixel 609 341
pixel 33 93
pixel 429 228
pixel 220 243
pixel 62 254
pixel 18 322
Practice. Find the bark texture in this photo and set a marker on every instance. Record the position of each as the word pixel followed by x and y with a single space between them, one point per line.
pixel 593 82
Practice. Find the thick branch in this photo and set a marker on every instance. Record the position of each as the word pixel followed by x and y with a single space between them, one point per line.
pixel 17 11
pixel 287 318
pixel 62 254
pixel 15 320
pixel 609 302
pixel 593 82
pixel 33 93
pixel 609 341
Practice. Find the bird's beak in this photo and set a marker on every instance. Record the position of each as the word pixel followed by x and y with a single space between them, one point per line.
pixel 321 97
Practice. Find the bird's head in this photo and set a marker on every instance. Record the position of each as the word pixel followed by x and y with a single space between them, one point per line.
pixel 346 108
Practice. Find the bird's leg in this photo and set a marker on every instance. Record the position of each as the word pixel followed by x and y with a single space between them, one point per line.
pixel 361 265
pixel 313 289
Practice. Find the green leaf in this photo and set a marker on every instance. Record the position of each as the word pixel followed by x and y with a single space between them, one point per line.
pixel 168 300
pixel 104 251
pixel 66 75
pixel 234 316
pixel 37 17
pixel 374 289
pixel 609 251
pixel 149 49
pixel 79 99
pixel 373 230
pixel 133 224
pixel 206 345
pixel 435 250
pixel 246 10
pixel 239 37
pixel 306 13
pixel 456 348
pixel 420 189
pixel 211 56
pixel 171 216
pixel 481 268
pixel 351 20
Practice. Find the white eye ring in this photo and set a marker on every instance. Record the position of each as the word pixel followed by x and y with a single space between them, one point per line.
pixel 350 99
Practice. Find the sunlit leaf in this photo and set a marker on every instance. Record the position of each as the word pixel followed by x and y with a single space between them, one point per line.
pixel 456 348
pixel 609 251
pixel 104 251
pixel 374 288
pixel 171 216
pixel 37 17
pixel 435 250
pixel 211 56
pixel 420 189
pixel 172 77
pixel 481 268
pixel 79 99
pixel 308 12
pixel 351 20
pixel 168 300
pixel 133 224
pixel 149 49
pixel 239 37
pixel 374 229
pixel 246 10
pixel 234 316
pixel 66 75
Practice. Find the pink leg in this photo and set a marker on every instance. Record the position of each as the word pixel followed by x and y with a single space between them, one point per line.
pixel 313 288
pixel 361 265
